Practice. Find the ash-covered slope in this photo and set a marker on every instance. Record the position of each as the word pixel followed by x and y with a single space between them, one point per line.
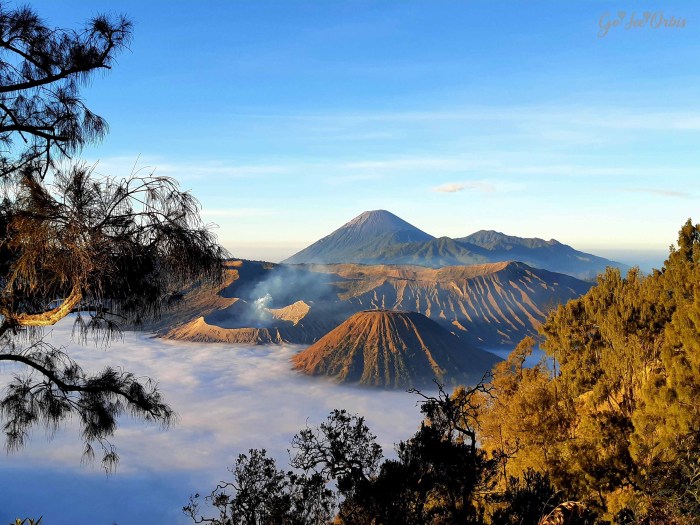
pixel 367 234
pixel 394 349
pixel 379 237
pixel 488 305
pixel 245 323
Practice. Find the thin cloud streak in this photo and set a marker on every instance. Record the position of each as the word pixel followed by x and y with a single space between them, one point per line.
pixel 659 192
pixel 450 187
pixel 595 116
pixel 137 164
pixel 454 187
pixel 238 212
pixel 508 163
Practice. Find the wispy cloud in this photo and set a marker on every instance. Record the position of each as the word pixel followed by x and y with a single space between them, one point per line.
pixel 659 192
pixel 143 164
pixel 454 187
pixel 450 187
pixel 565 116
pixel 435 162
pixel 495 165
pixel 237 212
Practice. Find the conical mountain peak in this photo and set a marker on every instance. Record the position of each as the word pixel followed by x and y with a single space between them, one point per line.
pixel 369 232
pixel 381 219
pixel 393 349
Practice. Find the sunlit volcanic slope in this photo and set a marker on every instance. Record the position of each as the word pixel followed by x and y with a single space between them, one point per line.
pixel 489 304
pixel 393 349
pixel 242 323
pixel 198 300
pixel 219 314
pixel 362 237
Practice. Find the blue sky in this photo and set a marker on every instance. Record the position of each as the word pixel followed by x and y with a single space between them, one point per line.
pixel 287 118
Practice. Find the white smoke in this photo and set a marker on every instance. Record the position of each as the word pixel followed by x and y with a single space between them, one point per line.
pixel 261 315
pixel 262 302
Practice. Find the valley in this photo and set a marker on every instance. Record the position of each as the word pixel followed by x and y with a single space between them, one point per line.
pixel 490 305
pixel 361 318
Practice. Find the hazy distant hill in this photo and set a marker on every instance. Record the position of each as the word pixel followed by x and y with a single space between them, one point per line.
pixel 395 350
pixel 488 305
pixel 551 254
pixel 379 237
pixel 434 253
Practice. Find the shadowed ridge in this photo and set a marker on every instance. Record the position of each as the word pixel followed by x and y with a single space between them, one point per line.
pixel 393 349
pixel 492 240
pixel 550 255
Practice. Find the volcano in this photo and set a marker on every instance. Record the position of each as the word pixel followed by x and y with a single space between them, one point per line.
pixel 394 349
pixel 363 237
pixel 489 305
pixel 380 237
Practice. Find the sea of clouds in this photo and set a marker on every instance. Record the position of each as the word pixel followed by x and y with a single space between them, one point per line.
pixel 229 398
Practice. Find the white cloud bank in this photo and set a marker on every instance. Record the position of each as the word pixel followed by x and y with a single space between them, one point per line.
pixel 228 398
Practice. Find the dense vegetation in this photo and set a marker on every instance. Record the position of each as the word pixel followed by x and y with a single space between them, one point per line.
pixel 617 425
pixel 606 430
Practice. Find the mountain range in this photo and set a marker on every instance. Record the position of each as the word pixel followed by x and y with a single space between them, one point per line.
pixel 383 303
pixel 380 237
pixel 490 305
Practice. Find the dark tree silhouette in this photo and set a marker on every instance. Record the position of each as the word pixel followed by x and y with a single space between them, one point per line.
pixel 113 250
pixel 525 500
pixel 342 449
pixel 262 495
pixel 42 117
pixel 439 475
pixel 455 416
pixel 438 478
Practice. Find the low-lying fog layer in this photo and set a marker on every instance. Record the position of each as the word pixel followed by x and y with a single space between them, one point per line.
pixel 228 398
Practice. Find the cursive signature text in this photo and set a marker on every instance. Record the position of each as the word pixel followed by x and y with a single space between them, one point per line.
pixel 648 19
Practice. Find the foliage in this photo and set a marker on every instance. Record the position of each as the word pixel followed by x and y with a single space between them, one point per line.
pixel 113 250
pixel 341 449
pixel 27 521
pixel 42 117
pixel 435 479
pixel 524 419
pixel 455 416
pixel 616 422
pixel 525 500
pixel 263 495
pixel 108 246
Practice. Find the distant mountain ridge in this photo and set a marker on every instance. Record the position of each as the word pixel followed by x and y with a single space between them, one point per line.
pixel 491 240
pixel 380 237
